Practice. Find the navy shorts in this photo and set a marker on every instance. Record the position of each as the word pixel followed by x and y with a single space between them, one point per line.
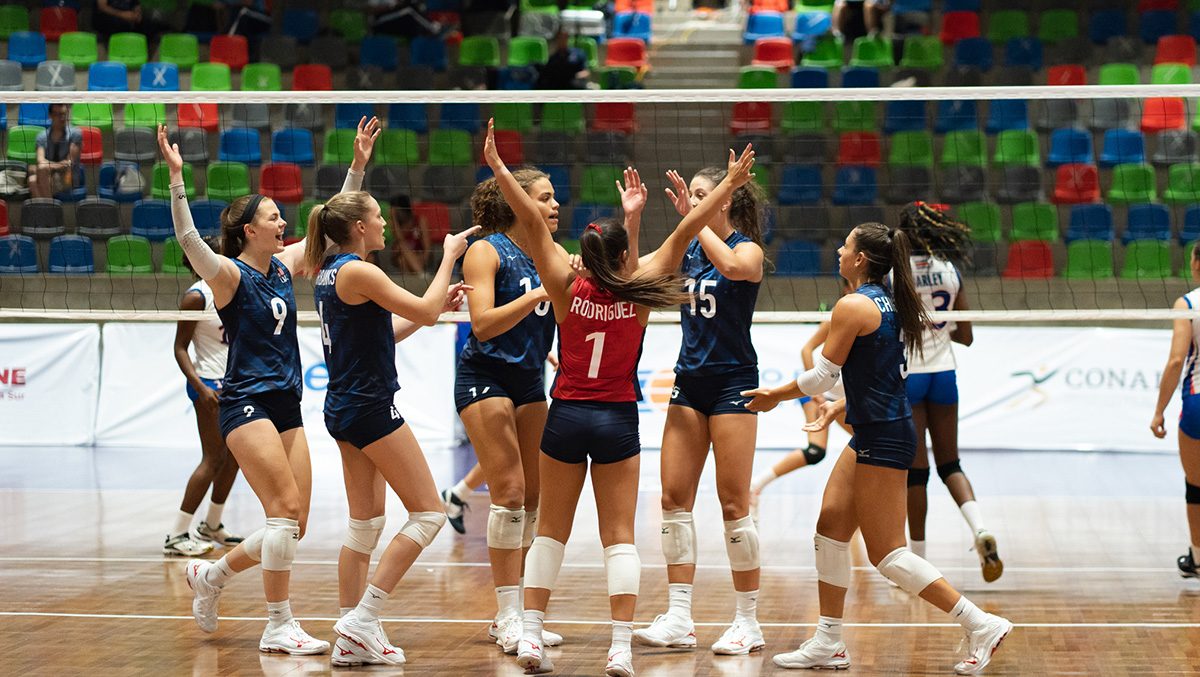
pixel 717 393
pixel 891 444
pixel 1189 417
pixel 939 387
pixel 365 426
pixel 281 407
pixel 214 383
pixel 606 432
pixel 479 380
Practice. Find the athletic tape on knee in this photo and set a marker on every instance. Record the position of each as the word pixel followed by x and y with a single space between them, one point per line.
pixel 1191 494
pixel 813 454
pixel 530 530
pixel 741 542
pixel 623 568
pixel 543 562
pixel 678 537
pixel 833 561
pixel 945 470
pixel 279 543
pixel 918 477
pixel 423 527
pixel 908 571
pixel 253 545
pixel 505 528
pixel 363 535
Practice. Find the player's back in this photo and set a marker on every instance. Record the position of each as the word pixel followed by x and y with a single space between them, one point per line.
pixel 872 375
pixel 938 283
pixel 599 344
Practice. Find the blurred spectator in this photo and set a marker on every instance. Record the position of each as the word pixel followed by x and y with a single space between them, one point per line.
pixel 123 16
pixel 250 18
pixel 401 17
pixel 857 18
pixel 566 68
pixel 411 246
pixel 58 151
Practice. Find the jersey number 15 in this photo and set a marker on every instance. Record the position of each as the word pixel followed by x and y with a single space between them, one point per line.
pixel 708 302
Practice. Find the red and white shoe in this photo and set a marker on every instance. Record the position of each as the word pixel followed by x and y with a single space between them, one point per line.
pixel 668 629
pixel 497 635
pixel 290 638
pixel 346 655
pixel 531 656
pixel 204 604
pixel 740 639
pixel 982 643
pixel 369 638
pixel 814 654
pixel 620 663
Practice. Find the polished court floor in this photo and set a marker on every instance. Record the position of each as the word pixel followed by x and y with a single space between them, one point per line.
pixel 1088 540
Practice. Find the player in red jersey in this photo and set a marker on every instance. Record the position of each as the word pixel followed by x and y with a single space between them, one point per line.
pixel 601 321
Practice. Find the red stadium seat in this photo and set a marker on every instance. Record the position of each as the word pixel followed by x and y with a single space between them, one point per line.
pixel 231 50
pixel 202 115
pixel 436 216
pixel 510 147
pixel 312 77
pixel 780 6
pixel 1069 74
pixel 642 6
pixel 281 182
pixel 626 52
pixel 92 152
pixel 959 25
pixel 775 52
pixel 1176 49
pixel 58 20
pixel 1157 6
pixel 614 117
pixel 859 148
pixel 1163 113
pixel 750 116
pixel 1029 259
pixel 3 218
pixel 1076 184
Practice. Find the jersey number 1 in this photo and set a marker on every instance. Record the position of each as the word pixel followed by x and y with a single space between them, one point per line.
pixel 597 351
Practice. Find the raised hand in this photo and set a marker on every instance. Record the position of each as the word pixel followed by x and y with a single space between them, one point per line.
pixel 170 152
pixel 681 197
pixel 633 193
pixel 364 141
pixel 576 263
pixel 455 245
pixel 739 169
pixel 490 154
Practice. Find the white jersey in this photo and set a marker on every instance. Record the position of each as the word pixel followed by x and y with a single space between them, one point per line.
pixel 208 343
pixel 938 283
pixel 1191 367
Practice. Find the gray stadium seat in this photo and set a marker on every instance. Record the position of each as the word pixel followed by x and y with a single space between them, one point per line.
pixel 55 76
pixel 1109 114
pixel 1057 113
pixel 135 144
pixel 388 181
pixel 805 149
pixel 764 145
pixel 282 50
pixel 304 115
pixel 42 218
pixel 906 184
pixel 10 76
pixel 1175 146
pixel 446 184
pixel 1019 183
pixel 329 180
pixel 963 183
pixel 98 218
pixel 193 144
pixel 330 50
pixel 803 222
pixel 611 148
pixel 415 78
pixel 551 148
pixel 253 115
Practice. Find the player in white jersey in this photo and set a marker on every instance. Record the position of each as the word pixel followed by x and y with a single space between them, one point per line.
pixel 1184 360
pixel 939 240
pixel 217 467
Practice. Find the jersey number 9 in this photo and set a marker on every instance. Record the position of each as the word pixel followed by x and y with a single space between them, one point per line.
pixel 279 310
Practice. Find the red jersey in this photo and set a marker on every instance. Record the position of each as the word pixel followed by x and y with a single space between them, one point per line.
pixel 599 344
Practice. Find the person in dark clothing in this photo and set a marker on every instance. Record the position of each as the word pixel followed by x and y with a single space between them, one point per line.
pixel 566 67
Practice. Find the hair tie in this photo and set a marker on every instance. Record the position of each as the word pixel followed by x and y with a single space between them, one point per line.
pixel 251 207
pixel 592 226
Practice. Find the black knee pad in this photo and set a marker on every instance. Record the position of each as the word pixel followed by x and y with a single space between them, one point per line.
pixel 918 477
pixel 1192 494
pixel 813 454
pixel 945 470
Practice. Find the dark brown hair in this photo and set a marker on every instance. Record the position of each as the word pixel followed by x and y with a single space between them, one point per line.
pixel 935 233
pixel 601 246
pixel 745 206
pixel 887 250
pixel 488 206
pixel 333 220
pixel 233 228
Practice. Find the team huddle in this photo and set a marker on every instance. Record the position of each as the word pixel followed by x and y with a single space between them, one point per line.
pixel 521 287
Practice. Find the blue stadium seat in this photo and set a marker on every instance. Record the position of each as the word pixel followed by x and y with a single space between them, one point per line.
pixel 293 145
pixel 1122 146
pixel 582 215
pixel 560 178
pixel 18 255
pixel 347 115
pixel 799 258
pixel 1006 114
pixel 207 216
pixel 108 185
pixel 240 144
pixel 855 186
pixel 1190 232
pixel 1090 222
pixel 152 220
pixel 811 25
pixel 637 25
pixel 302 24
pixel 1069 146
pixel 71 254
pixel 1107 24
pixel 34 114
pixel 859 76
pixel 1154 25
pixel 975 52
pixel 27 48
pixel 159 77
pixel 1148 222
pixel 408 116
pixel 1024 52
pixel 909 6
pixel 107 76
pixel 378 50
pixel 905 115
pixel 518 78
pixel 429 52
pixel 961 6
pixel 1194 25
pixel 764 25
pixel 464 116
pixel 955 115
pixel 800 185
pixel 810 77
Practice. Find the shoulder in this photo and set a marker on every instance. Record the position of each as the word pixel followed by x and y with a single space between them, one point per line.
pixel 1184 302
pixel 75 134
pixel 193 299
pixel 482 255
pixel 747 245
pixel 854 304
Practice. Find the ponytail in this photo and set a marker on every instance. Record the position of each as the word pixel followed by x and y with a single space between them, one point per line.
pixel 332 220
pixel 888 250
pixel 934 232
pixel 601 246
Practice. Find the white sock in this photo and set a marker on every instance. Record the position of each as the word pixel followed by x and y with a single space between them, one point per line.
pixel 918 548
pixel 747 605
pixel 372 603
pixel 532 625
pixel 461 490
pixel 219 573
pixel 213 519
pixel 1195 552
pixel 342 611
pixel 279 613
pixel 829 630
pixel 966 614
pixel 973 515
pixel 679 597
pixel 763 479
pixel 508 600
pixel 622 633
pixel 521 593
pixel 183 522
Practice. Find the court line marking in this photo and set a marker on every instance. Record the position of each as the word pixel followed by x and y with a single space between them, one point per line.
pixel 556 621
pixel 600 565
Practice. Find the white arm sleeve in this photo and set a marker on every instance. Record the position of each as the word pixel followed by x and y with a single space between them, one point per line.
pixel 820 378
pixel 353 182
pixel 204 260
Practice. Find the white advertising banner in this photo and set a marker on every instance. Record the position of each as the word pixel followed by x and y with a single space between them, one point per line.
pixel 48 383
pixel 143 402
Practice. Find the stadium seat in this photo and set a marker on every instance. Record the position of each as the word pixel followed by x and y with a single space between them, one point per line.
pixel 231 50
pixel 146 115
pixel 560 179
pixel 239 144
pixel 800 185
pixel 1066 75
pixel 379 50
pixel 11 79
pixel 1156 25
pixel 973 53
pixel 281 50
pixel 625 52
pixel 983 218
pixel 351 24
pixel 509 146
pixel 159 77
pixel 129 255
pixel 1171 74
pixel 55 22
pixel 1007 114
pixel 1068 146
pixel 1190 232
pixel 120 181
pixel 1147 260
pixel 281 182
pixel 13 19
pixel 774 53
pixel 799 258
pixel 963 183
pixel 479 50
pixel 859 148
pixel 227 181
pixel 34 114
pixel 910 149
pixel 598 185
pixel 1090 222
pixel 1029 259
pixel 761 25
pixel 172 258
pixel 91 150
pixel 449 147
pixel 331 51
pixel 757 77
pixel 964 147
pixel 855 186
pixel 464 116
pixel 160 188
pixel 1162 113
pixel 1006 24
pixel 1019 183
pixel 1089 259
pixel 206 214
pixel 410 116
pixel 55 76
pixel 811 25
pixel 97 115
pixel 637 25
pixel 854 116
pixel 1148 222
pixel 826 52
pixel 199 115
pixel 1075 184
pixel 152 220
pixel 18 255
pixel 1034 221
pixel 1056 25
pixel 959 25
pixel 294 145
pixel 583 214
pixel 1175 146
pixel 42 218
pixel 1017 147
pixel 181 49
pixel 904 182
pixel 1183 183
pixel 513 116
pixel 905 115
pixel 348 115
pixel 922 51
pixel 98 218
pixel 603 148
pixel 108 76
pixel 1103 25
pixel 27 48
pixel 211 77
pixel 427 51
pixel 528 50
pixel 872 53
pixel 1023 52
pixel 301 24
pixel 135 144
pixel 262 77
pixel 1110 114
pixel 1176 49
pixel 860 77
pixel 955 115
pixel 312 77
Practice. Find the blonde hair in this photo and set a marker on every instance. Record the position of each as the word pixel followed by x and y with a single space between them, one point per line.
pixel 333 220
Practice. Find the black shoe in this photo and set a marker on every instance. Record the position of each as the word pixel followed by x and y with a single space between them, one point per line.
pixel 455 508
pixel 1187 566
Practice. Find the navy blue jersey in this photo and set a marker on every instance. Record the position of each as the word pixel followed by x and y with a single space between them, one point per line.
pixel 716 323
pixel 526 344
pixel 872 375
pixel 260 325
pixel 359 346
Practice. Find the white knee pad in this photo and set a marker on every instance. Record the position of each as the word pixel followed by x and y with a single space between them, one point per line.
pixel 363 535
pixel 741 542
pixel 908 571
pixel 543 562
pixel 678 537
pixel 623 568
pixel 279 543
pixel 505 527
pixel 423 527
pixel 833 561
pixel 530 530
pixel 253 545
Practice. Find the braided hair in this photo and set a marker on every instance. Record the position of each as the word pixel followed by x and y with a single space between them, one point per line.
pixel 934 232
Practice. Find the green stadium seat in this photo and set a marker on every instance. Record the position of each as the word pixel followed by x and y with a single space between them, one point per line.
pixel 855 116
pixel 22 143
pixel 129 255
pixel 826 53
pixel 598 186
pixel 616 77
pixel 589 48
pixel 160 189
pixel 1132 183
pixel 563 117
pixel 145 115
pixel 528 50
pixel 227 181
pixel 1056 25
pixel 1007 24
pixel 1119 74
pixel 1089 260
pixel 172 263
pixel 513 116
pixel 300 227
pixel 261 77
pixel 13 19
pixel 984 220
pixel 1147 260
pixel 1034 221
pixel 965 147
pixel 911 149
pixel 339 147
pixel 1171 74
pixel 397 147
pixel 540 6
pixel 571 246
pixel 758 77
pixel 350 24
pixel 872 53
pixel 923 51
pixel 181 49
pixel 1183 183
pixel 99 115
pixel 479 50
pixel 802 116
pixel 211 77
pixel 78 49
pixel 129 49
pixel 1017 147
pixel 450 147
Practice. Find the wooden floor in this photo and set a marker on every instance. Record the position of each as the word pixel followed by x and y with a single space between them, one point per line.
pixel 1089 543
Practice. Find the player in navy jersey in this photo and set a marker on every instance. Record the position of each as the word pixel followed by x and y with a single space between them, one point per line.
pixel 356 301
pixel 602 319
pixel 499 387
pixel 722 269
pixel 260 402
pixel 1184 360
pixel 939 243
pixel 868 334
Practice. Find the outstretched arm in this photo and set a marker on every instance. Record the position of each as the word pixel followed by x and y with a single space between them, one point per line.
pixel 364 144
pixel 633 202
pixel 1181 341
pixel 403 328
